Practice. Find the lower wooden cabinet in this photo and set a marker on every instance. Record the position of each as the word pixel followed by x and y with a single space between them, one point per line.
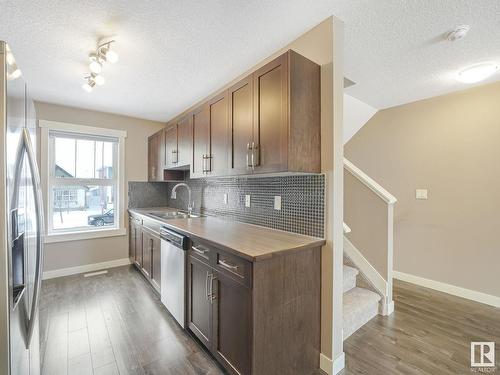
pixel 219 314
pixel 199 318
pixel 256 317
pixel 135 241
pixel 145 250
pixel 232 323
pixel 156 262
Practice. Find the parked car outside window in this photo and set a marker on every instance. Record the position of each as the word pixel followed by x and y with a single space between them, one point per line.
pixel 106 218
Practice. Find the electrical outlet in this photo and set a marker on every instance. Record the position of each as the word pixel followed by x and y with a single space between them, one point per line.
pixel 247 200
pixel 277 202
pixel 421 194
pixel 225 198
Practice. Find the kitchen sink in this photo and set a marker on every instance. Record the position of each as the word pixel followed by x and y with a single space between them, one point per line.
pixel 173 215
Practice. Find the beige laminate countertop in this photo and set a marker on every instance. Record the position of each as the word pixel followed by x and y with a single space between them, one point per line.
pixel 249 241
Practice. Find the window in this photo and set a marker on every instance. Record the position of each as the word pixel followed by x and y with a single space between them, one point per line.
pixel 84 181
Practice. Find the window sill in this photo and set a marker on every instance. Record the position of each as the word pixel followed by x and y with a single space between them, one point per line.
pixel 78 236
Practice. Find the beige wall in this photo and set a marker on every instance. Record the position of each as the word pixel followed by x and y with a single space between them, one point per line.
pixel 450 146
pixel 365 209
pixel 78 253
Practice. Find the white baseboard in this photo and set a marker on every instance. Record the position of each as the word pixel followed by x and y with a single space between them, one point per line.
pixel 331 367
pixel 450 289
pixel 386 309
pixel 325 364
pixel 85 268
pixel 339 364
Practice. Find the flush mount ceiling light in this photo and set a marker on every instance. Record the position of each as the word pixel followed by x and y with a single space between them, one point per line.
pixel 98 59
pixel 477 73
pixel 458 33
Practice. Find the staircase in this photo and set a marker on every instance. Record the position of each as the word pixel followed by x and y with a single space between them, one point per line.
pixel 360 304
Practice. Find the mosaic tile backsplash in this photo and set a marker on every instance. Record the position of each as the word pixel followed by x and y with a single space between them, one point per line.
pixel 302 200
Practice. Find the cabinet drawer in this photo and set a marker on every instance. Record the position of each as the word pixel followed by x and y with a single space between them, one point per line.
pixel 235 267
pixel 202 252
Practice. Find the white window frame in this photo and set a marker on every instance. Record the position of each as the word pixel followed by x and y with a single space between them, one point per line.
pixel 118 177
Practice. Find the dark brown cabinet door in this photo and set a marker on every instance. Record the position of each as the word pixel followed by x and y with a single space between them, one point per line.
pixel 152 167
pixel 199 302
pixel 138 245
pixel 131 240
pixel 217 163
pixel 160 154
pixel 271 116
pixel 240 98
pixel 147 249
pixel 185 141
pixel 156 156
pixel 201 141
pixel 156 263
pixel 232 324
pixel 171 150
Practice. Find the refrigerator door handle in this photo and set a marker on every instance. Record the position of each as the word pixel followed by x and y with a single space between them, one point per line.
pixel 37 193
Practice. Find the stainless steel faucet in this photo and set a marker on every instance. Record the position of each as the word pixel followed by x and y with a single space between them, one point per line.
pixel 174 196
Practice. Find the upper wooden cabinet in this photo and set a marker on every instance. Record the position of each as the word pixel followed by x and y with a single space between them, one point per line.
pixel 156 156
pixel 269 122
pixel 241 125
pixel 277 127
pixel 171 149
pixel 178 144
pixel 184 142
pixel 274 117
pixel 210 138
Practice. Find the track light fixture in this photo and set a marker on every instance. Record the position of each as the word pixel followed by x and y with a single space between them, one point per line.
pixel 98 59
pixel 13 71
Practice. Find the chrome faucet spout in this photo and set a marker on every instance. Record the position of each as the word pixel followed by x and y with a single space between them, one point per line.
pixel 173 195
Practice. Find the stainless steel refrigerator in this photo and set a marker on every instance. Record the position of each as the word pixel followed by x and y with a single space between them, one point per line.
pixel 21 224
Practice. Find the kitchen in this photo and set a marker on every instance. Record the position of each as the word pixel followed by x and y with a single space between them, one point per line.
pixel 193 245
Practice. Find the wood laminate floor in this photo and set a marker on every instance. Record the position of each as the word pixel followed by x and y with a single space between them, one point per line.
pixel 115 324
pixel 428 333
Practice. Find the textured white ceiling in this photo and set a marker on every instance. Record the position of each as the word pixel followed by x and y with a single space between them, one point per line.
pixel 174 53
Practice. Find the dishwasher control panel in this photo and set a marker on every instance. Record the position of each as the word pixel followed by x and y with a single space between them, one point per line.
pixel 174 238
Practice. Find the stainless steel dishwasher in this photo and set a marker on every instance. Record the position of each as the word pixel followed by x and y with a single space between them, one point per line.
pixel 173 273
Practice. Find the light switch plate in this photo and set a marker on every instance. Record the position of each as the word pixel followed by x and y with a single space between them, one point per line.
pixel 247 200
pixel 225 198
pixel 421 194
pixel 277 202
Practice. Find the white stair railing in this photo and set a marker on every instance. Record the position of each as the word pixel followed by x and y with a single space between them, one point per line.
pixel 368 240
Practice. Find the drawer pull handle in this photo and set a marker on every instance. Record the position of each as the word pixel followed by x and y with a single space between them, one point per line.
pixel 207 281
pixel 199 251
pixel 227 265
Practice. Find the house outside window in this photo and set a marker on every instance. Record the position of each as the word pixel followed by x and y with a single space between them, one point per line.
pixel 83 180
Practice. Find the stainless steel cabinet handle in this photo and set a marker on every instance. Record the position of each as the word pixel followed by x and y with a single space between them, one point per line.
pixel 213 297
pixel 175 156
pixel 249 148
pixel 204 163
pixel 227 265
pixel 153 172
pixel 199 251
pixel 27 147
pixel 207 292
pixel 209 163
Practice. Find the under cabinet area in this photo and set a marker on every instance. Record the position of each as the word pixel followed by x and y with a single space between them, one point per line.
pixel 269 122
